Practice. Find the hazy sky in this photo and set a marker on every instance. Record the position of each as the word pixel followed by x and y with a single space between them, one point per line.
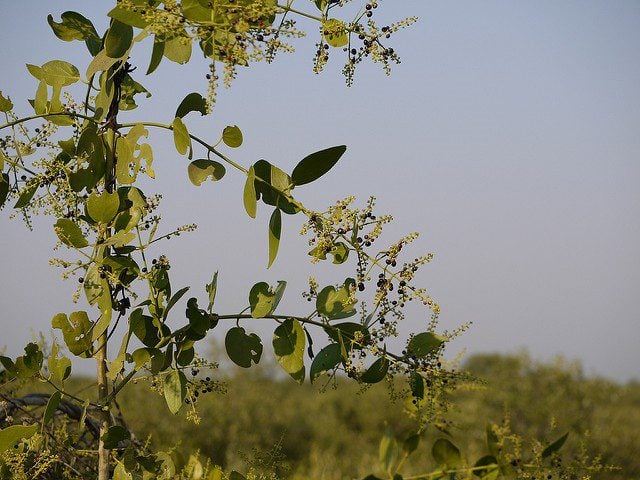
pixel 509 137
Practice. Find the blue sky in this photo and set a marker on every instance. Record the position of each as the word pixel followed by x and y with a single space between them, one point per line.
pixel 509 137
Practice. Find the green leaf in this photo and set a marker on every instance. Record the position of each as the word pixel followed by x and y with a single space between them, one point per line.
pixel 236 476
pixel 347 332
pixel 211 289
pixel 156 55
pixel 26 197
pixel 243 349
pixel 201 169
pixel 177 51
pixel 145 355
pixel 129 88
pixel 4 188
pixel 40 101
pixel 411 444
pixel 173 300
pixel 249 196
pixel 69 233
pixel 181 136
pixel 94 284
pixel 446 453
pixel 340 252
pixel 376 372
pixel 335 32
pixel 76 331
pixel 145 330
pixel 232 136
pixel 130 17
pixel 112 437
pixel 175 390
pixel 416 383
pixel 317 164
pixel 56 73
pixel 73 27
pixel 327 359
pixel 388 452
pixel 555 446
pixel 491 471
pixel 335 303
pixel 118 39
pixel 101 62
pixel 288 345
pixel 120 472
pixel 11 435
pixel 194 102
pixel 52 406
pixel 5 103
pixel 275 228
pixel 199 320
pixel 261 300
pixel 103 208
pixel 60 368
pixel 423 344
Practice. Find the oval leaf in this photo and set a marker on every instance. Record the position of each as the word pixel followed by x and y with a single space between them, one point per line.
pixel 423 344
pixel 52 406
pixel 446 453
pixel 249 195
pixel 69 233
pixel 243 349
pixel 317 164
pixel 181 137
pixel 555 446
pixel 201 169
pixel 232 136
pixel 118 39
pixel 376 372
pixel 102 208
pixel 326 359
pixel 11 435
pixel 288 345
pixel 175 390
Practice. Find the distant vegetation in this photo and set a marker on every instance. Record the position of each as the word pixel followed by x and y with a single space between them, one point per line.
pixel 259 412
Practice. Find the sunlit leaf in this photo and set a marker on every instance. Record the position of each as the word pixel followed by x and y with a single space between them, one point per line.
pixel 175 390
pixel 275 228
pixel 69 233
pixel 249 196
pixel 181 137
pixel 103 207
pixel 288 345
pixel 201 169
pixel 11 435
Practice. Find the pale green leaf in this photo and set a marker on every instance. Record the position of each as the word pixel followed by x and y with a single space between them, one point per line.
pixel 175 390
pixel 201 169
pixel 275 228
pixel 181 137
pixel 11 435
pixel 289 343
pixel 232 136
